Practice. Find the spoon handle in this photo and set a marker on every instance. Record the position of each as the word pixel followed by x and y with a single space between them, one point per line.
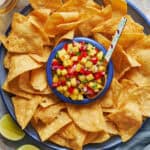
pixel 115 39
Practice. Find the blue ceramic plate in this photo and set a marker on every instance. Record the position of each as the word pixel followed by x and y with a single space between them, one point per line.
pixel 49 70
pixel 138 16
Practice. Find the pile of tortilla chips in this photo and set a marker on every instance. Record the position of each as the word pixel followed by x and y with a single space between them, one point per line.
pixel 31 40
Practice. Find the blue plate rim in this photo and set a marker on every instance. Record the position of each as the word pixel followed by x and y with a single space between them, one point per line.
pixel 105 147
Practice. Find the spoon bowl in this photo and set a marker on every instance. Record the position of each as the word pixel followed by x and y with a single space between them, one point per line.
pixel 86 100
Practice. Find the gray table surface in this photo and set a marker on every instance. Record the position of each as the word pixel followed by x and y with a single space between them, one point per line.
pixel 5 20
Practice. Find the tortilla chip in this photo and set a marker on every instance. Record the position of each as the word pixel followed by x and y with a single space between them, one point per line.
pixel 24 109
pixel 43 57
pixel 7 60
pixel 109 26
pixel 67 36
pixel 128 119
pixel 13 87
pixel 59 140
pixel 20 64
pixel 120 6
pixel 24 85
pixel 48 100
pixel 21 36
pixel 142 94
pixel 46 131
pixel 38 79
pixel 74 135
pixel 111 127
pixel 48 114
pixel 50 4
pixel 40 16
pixel 87 122
pixel 98 137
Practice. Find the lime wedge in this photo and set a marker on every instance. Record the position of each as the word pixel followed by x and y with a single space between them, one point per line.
pixel 9 129
pixel 28 147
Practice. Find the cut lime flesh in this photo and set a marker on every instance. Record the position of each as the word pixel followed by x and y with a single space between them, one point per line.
pixel 28 147
pixel 9 129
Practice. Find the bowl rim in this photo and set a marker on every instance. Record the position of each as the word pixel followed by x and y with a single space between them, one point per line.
pixel 49 71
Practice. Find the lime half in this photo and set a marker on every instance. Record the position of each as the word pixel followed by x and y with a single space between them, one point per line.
pixel 28 147
pixel 9 129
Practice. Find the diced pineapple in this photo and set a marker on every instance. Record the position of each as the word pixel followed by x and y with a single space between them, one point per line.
pixel 92 52
pixel 80 97
pixel 89 77
pixel 70 46
pixel 91 84
pixel 74 97
pixel 58 72
pixel 88 64
pixel 89 47
pixel 66 56
pixel 78 67
pixel 81 86
pixel 94 69
pixel 100 55
pixel 82 78
pixel 68 83
pixel 83 60
pixel 65 88
pixel 75 49
pixel 60 88
pixel 61 54
pixel 99 86
pixel 64 72
pixel 99 81
pixel 66 93
pixel 76 92
pixel 101 68
pixel 74 58
pixel 55 78
pixel 67 62
pixel 73 82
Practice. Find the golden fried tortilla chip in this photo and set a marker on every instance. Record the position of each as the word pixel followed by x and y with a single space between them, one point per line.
pixel 46 131
pixel 38 79
pixel 24 109
pixel 74 135
pixel 43 57
pixel 67 36
pixel 50 4
pixel 97 137
pixel 48 100
pixel 24 85
pixel 48 114
pixel 19 36
pixel 87 122
pixel 59 140
pixel 128 119
pixel 13 87
pixel 142 94
pixel 40 16
pixel 20 64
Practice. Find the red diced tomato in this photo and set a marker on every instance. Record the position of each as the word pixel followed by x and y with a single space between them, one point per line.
pixel 94 60
pixel 55 63
pixel 90 91
pixel 66 46
pixel 99 75
pixel 55 84
pixel 96 50
pixel 63 82
pixel 87 72
pixel 84 54
pixel 70 90
pixel 61 67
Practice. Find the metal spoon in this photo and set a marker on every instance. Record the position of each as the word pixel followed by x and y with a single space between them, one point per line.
pixel 112 47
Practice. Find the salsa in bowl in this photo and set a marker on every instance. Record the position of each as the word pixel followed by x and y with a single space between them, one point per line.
pixel 76 72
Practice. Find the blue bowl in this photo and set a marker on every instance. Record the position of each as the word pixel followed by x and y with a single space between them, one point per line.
pixel 49 71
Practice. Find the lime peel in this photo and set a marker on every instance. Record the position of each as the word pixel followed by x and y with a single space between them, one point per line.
pixel 9 129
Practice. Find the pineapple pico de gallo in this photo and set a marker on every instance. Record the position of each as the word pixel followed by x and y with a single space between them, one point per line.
pixel 78 71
